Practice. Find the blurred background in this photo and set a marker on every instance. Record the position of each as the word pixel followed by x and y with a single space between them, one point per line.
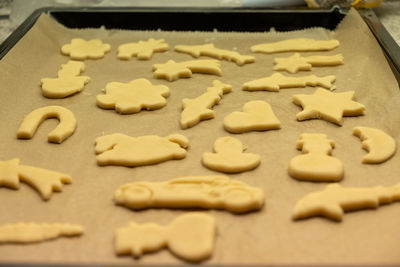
pixel 14 12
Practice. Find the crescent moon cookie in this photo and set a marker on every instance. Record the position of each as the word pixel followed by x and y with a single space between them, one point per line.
pixel 379 144
pixel 81 49
pixel 298 45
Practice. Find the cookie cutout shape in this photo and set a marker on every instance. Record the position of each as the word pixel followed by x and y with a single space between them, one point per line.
pixel 379 144
pixel 199 108
pixel 296 62
pixel 298 44
pixel 64 129
pixel 229 157
pixel 68 82
pixel 24 233
pixel 316 163
pixel 211 51
pixel 172 70
pixel 256 116
pixel 81 49
pixel 329 106
pixel 335 199
pixel 132 97
pixel 210 192
pixel 143 50
pixel 190 237
pixel 278 81
pixel 44 181
pixel 123 150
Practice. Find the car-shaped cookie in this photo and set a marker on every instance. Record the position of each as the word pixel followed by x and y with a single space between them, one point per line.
pixel 219 192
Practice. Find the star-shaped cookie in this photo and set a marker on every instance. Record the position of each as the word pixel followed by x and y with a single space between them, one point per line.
pixel 329 106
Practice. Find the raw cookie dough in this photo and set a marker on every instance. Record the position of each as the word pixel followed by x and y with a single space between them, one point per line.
pixel 298 44
pixel 199 108
pixel 143 50
pixel 211 51
pixel 256 116
pixel 379 144
pixel 214 191
pixel 296 62
pixel 32 232
pixel 329 106
pixel 81 49
pixel 64 129
pixel 335 199
pixel 172 70
pixel 132 97
pixel 123 150
pixel 68 82
pixel 44 181
pixel 229 156
pixel 278 81
pixel 316 163
pixel 190 237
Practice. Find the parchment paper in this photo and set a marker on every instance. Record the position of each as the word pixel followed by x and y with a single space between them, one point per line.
pixel 260 238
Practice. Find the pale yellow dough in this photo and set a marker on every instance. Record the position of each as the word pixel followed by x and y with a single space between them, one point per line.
pixel 256 116
pixel 199 108
pixel 316 163
pixel 124 150
pixel 132 97
pixel 278 81
pixel 33 232
pixel 44 181
pixel 335 199
pixel 172 70
pixel 190 237
pixel 68 82
pixel 298 44
pixel 229 156
pixel 64 129
pixel 379 144
pixel 329 106
pixel 211 51
pixel 81 49
pixel 214 191
pixel 143 50
pixel 295 63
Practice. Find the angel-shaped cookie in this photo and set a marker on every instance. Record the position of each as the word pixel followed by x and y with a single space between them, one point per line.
pixel 143 50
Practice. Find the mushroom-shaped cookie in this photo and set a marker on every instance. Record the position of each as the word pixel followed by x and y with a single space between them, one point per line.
pixel 229 156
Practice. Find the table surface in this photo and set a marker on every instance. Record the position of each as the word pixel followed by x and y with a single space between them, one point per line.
pixel 13 13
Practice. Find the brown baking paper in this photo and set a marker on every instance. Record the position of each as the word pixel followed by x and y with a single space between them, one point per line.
pixel 268 236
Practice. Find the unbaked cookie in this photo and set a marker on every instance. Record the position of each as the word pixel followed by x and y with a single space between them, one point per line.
pixel 296 62
pixel 329 106
pixel 335 199
pixel 172 70
pixel 24 233
pixel 211 51
pixel 44 181
pixel 316 163
pixel 214 191
pixel 278 81
pixel 68 82
pixel 190 237
pixel 297 44
pixel 229 156
pixel 64 129
pixel 81 49
pixel 199 108
pixel 379 144
pixel 123 150
pixel 143 50
pixel 256 116
pixel 132 97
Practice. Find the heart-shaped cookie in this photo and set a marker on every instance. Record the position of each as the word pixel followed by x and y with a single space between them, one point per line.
pixel 256 116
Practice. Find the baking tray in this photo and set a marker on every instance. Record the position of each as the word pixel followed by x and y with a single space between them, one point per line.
pixel 203 20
